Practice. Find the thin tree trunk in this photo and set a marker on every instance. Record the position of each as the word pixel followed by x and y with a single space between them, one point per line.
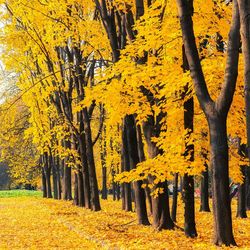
pixel 44 183
pixel 204 206
pixel 175 197
pixel 55 177
pixel 76 195
pixel 47 169
pixel 241 201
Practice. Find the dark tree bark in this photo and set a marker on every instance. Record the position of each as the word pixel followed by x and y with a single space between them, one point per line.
pixel 76 194
pixel 44 183
pixel 161 210
pixel 189 209
pixel 127 199
pixel 160 204
pixel 59 185
pixel 47 169
pixel 141 155
pixel 248 188
pixel 216 114
pixel 67 185
pixel 81 201
pixel 241 201
pixel 94 200
pixel 188 180
pixel 103 163
pixel 175 197
pixel 140 199
pixel 244 9
pixel 55 176
pixel 204 206
pixel 84 161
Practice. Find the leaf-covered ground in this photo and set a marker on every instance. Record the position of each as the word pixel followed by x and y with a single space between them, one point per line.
pixel 36 223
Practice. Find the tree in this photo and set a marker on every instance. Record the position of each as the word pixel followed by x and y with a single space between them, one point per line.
pixel 216 114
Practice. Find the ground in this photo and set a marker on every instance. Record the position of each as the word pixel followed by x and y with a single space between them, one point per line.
pixel 31 222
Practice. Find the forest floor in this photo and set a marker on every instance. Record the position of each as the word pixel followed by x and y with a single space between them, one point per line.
pixel 35 223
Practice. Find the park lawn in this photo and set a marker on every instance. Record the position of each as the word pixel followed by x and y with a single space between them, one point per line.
pixel 37 223
pixel 19 193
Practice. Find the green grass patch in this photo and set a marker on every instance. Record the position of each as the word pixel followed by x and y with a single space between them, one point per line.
pixel 19 193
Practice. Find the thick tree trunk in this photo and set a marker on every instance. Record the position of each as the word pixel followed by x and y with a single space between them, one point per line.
pixel 161 210
pixel 189 209
pixel 220 182
pixel 204 206
pixel 141 155
pixel 216 114
pixel 175 197
pixel 127 199
pixel 81 201
pixel 94 199
pixel 85 168
pixel 160 204
pixel 188 181
pixel 241 201
pixel 132 144
pixel 244 8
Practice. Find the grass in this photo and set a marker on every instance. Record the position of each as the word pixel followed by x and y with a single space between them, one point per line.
pixel 19 193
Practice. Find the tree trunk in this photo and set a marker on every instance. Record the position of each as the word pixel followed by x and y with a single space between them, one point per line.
pixel 47 169
pixel 94 199
pixel 85 168
pixel 126 167
pixel 67 185
pixel 189 209
pixel 175 197
pixel 188 181
pixel 59 185
pixel 216 114
pixel 244 9
pixel 55 177
pixel 104 183
pixel 160 204
pixel 44 183
pixel 132 144
pixel 241 201
pixel 204 206
pixel 248 188
pixel 81 201
pixel 141 159
pixel 76 195
pixel 220 182
pixel 161 211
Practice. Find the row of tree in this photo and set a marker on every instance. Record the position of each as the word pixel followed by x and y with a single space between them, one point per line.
pixel 107 88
